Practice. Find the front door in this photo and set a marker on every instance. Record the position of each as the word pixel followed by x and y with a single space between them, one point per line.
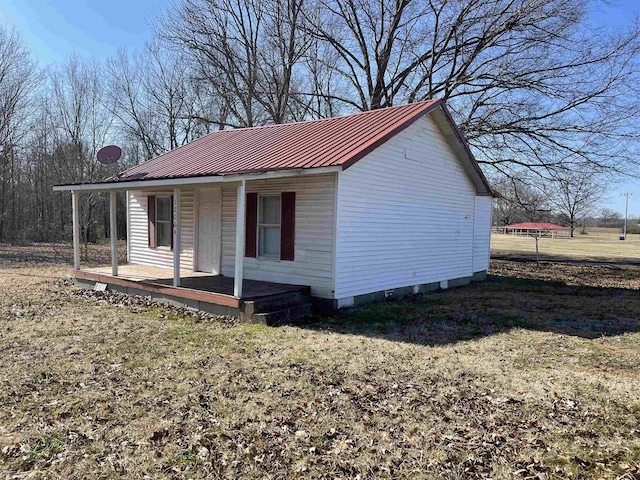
pixel 209 229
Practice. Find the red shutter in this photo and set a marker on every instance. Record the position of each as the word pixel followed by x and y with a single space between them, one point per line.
pixel 288 226
pixel 171 220
pixel 251 226
pixel 151 213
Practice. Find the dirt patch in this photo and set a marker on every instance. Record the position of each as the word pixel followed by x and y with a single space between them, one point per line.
pixel 600 276
pixel 42 254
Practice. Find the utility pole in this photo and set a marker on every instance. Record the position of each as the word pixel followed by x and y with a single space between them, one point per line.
pixel 626 210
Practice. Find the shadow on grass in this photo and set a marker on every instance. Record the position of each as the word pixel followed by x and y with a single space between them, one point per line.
pixel 497 305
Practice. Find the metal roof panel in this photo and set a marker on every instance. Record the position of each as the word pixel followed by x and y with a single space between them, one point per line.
pixel 337 141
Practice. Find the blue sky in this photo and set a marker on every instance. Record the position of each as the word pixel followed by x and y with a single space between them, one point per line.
pixel 92 28
pixel 53 29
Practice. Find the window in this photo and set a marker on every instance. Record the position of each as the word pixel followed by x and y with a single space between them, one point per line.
pixel 163 221
pixel 269 226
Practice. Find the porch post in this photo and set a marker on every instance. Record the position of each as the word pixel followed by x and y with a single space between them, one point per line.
pixel 128 209
pixel 176 236
pixel 113 229
pixel 240 227
pixel 75 207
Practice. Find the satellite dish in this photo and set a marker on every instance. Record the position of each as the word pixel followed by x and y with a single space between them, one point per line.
pixel 109 154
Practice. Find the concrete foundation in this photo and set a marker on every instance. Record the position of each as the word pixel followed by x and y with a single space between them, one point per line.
pixel 397 293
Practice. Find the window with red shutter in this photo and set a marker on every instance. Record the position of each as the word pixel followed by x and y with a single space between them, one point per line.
pixel 270 226
pixel 164 221
pixel 269 213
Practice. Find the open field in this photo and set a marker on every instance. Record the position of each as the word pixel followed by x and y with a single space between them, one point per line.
pixel 579 247
pixel 533 374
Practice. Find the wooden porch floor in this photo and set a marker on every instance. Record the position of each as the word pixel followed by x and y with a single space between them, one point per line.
pixel 193 285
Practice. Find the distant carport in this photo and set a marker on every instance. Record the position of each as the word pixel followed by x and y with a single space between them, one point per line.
pixel 537 229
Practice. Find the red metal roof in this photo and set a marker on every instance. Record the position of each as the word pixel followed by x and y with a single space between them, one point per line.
pixel 338 141
pixel 536 226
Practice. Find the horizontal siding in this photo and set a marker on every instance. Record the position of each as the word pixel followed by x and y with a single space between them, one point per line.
pixel 313 264
pixel 139 230
pixel 482 233
pixel 405 215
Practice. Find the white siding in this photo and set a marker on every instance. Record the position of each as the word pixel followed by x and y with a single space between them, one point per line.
pixel 313 264
pixel 482 233
pixel 140 252
pixel 405 215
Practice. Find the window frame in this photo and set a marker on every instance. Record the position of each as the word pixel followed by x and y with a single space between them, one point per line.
pixel 169 222
pixel 260 226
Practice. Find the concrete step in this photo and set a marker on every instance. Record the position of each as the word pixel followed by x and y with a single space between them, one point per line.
pixel 285 315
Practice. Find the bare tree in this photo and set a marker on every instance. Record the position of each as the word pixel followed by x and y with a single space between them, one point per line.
pixel 281 49
pixel 152 97
pixel 222 36
pixel 520 199
pixel 18 76
pixel 81 126
pixel 609 218
pixel 575 194
pixel 320 93
pixel 18 79
pixel 246 51
pixel 532 83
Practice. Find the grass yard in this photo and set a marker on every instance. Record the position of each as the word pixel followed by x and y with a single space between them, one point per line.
pixel 578 247
pixel 533 374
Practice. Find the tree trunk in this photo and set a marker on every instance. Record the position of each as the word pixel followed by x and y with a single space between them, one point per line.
pixel 572 227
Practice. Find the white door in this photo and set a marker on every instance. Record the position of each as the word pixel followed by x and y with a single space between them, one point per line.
pixel 209 229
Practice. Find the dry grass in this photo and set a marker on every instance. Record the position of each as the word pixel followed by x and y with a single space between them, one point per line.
pixel 578 247
pixel 533 374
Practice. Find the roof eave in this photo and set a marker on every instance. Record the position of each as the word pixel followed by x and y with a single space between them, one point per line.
pixel 131 184
pixel 465 145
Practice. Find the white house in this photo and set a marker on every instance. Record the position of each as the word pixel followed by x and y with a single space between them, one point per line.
pixel 356 208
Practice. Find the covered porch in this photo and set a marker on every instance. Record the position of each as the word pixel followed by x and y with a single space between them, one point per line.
pixel 196 286
pixel 175 234
pixel 178 280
